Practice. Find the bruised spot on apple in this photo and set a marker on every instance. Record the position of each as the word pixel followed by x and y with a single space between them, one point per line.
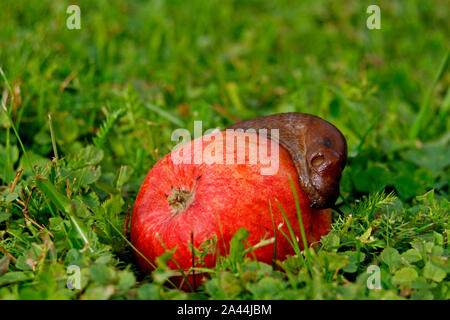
pixel 179 202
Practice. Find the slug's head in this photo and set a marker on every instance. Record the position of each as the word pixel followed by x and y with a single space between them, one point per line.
pixel 325 158
pixel 318 150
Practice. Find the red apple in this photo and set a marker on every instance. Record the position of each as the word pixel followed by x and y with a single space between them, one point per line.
pixel 180 201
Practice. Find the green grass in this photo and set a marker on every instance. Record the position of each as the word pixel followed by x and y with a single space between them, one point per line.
pixel 86 113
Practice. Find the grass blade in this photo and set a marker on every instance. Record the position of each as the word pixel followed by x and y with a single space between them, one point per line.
pixel 8 115
pixel 274 259
pixel 423 112
pixel 164 114
pixel 63 204
pixel 300 221
pixel 293 242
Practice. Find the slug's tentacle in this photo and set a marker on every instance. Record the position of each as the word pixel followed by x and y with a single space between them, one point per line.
pixel 318 150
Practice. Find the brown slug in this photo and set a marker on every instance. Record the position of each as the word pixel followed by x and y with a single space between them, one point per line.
pixel 318 150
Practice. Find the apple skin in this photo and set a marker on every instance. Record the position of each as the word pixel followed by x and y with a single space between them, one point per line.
pixel 225 198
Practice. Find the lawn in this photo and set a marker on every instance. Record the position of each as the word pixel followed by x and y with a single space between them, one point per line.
pixel 85 113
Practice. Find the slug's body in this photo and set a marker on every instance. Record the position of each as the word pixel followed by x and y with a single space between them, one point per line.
pixel 318 150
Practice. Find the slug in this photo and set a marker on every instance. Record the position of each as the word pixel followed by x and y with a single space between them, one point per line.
pixel 318 150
